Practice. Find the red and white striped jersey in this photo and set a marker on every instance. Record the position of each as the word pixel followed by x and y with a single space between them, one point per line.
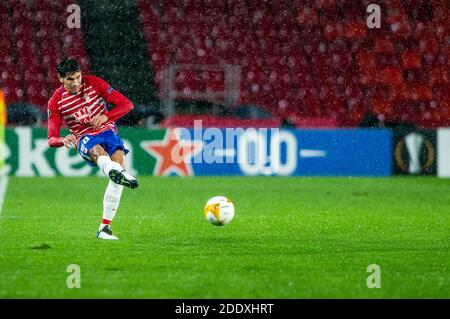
pixel 77 110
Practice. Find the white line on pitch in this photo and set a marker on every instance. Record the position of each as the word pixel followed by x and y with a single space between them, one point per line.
pixel 3 186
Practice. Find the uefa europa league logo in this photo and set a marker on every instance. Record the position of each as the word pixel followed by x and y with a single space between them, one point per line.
pixel 414 143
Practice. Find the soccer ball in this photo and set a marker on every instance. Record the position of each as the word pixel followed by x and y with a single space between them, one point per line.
pixel 219 210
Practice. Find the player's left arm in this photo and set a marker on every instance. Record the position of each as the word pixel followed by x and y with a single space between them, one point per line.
pixel 122 105
pixel 54 127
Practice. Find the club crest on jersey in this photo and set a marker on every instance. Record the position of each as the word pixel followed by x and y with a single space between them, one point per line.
pixel 87 98
pixel 83 115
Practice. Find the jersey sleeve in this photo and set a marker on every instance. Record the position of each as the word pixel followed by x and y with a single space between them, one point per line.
pixel 122 105
pixel 54 124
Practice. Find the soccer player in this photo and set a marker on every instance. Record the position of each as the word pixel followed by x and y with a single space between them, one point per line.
pixel 81 103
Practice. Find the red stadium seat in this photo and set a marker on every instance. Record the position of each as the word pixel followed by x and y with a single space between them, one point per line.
pixel 307 16
pixel 355 30
pixel 421 92
pixel 366 61
pixel 398 23
pixel 383 45
pixel 392 76
pixel 411 60
pixel 382 106
pixel 439 76
pixel 428 45
pixel 399 92
pixel 12 84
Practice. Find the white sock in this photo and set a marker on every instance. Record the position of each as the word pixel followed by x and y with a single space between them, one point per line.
pixel 111 202
pixel 106 164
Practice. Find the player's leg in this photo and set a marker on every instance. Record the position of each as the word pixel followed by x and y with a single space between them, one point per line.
pixel 119 157
pixel 112 194
pixel 108 151
pixel 111 199
pixel 122 177
pixel 97 150
pixel 99 156
pixel 113 166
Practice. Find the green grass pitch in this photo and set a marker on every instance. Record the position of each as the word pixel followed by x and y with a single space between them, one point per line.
pixel 290 238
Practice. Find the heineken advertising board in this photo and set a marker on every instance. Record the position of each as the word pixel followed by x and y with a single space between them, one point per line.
pixel 213 151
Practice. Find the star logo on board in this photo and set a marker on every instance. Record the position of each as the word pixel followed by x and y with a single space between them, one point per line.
pixel 172 154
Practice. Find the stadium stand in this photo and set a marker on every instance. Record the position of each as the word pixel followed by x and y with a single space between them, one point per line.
pixel 33 39
pixel 312 61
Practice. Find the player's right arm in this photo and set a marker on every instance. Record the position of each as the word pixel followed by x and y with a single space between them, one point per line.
pixel 54 127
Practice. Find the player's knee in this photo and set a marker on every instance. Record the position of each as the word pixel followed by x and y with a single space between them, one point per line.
pixel 119 160
pixel 119 157
pixel 97 151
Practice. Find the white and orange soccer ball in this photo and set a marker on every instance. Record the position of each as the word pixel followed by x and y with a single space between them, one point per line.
pixel 219 210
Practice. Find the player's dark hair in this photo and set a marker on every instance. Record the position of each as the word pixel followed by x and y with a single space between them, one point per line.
pixel 68 66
